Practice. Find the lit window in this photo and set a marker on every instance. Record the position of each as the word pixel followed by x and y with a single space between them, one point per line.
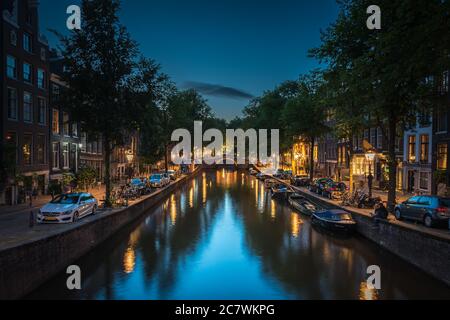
pixel 55 121
pixel 424 148
pixel 26 149
pixel 66 155
pixel 40 149
pixel 412 148
pixel 442 156
pixel 66 124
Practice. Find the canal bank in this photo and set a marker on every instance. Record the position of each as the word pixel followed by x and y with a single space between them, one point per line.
pixel 424 248
pixel 25 266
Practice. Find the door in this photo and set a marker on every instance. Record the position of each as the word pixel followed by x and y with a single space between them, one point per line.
pixel 422 208
pixel 411 181
pixel 411 207
pixel 84 205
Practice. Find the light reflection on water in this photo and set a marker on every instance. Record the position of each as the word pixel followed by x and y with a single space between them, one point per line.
pixel 221 236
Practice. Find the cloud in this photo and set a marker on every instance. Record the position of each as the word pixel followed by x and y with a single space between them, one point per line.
pixel 216 90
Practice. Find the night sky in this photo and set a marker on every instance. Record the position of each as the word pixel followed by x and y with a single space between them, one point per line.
pixel 229 50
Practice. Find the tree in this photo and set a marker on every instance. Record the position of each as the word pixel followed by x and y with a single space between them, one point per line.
pixel 385 69
pixel 86 177
pixel 102 66
pixel 305 113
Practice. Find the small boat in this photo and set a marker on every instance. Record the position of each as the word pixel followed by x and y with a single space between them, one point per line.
pixel 300 203
pixel 339 221
pixel 280 191
pixel 268 183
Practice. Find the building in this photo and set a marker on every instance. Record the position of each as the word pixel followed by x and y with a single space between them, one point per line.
pixel 370 156
pixel 65 137
pixel 417 160
pixel 441 140
pixel 91 154
pixel 125 162
pixel 24 117
pixel 343 160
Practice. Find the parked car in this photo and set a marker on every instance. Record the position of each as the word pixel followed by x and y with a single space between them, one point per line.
pixel 68 208
pixel 334 190
pixel 159 180
pixel 318 185
pixel 173 175
pixel 431 210
pixel 300 181
pixel 139 185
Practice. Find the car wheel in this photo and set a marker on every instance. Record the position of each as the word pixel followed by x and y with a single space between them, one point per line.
pixel 94 210
pixel 398 215
pixel 428 221
pixel 75 217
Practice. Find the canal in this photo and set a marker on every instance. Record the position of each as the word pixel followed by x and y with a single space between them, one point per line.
pixel 221 236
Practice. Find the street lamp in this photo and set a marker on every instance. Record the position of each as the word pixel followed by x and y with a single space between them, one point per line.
pixel 370 157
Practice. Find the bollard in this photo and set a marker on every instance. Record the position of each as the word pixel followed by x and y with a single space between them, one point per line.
pixel 31 219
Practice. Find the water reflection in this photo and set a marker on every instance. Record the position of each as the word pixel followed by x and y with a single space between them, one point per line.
pixel 236 243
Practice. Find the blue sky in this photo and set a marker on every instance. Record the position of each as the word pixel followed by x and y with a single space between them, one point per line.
pixel 230 49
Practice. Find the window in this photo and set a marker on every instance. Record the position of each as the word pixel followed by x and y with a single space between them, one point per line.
pixel 27 72
pixel 442 156
pixel 13 38
pixel 41 79
pixel 412 148
pixel 11 67
pixel 12 104
pixel 55 121
pixel 66 124
pixel 441 121
pixel 11 140
pixel 74 129
pixel 27 107
pixel 26 149
pixel 65 151
pixel 27 44
pixel 424 148
pixel 73 156
pixel 373 137
pixel 43 54
pixel 42 111
pixel 55 91
pixel 379 139
pixel 40 149
pixel 55 155
pixel 445 82
pixel 423 180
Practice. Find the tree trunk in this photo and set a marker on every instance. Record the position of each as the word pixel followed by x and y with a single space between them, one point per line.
pixel 166 158
pixel 311 159
pixel 107 160
pixel 392 163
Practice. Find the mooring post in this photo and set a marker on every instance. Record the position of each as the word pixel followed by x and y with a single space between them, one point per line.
pixel 31 222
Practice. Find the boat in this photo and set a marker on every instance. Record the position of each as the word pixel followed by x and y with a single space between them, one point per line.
pixel 336 220
pixel 280 191
pixel 301 204
pixel 268 183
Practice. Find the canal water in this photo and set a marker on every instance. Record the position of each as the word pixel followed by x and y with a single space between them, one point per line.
pixel 221 236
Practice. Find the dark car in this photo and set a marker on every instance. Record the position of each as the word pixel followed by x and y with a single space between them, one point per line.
pixel 431 210
pixel 300 181
pixel 318 185
pixel 334 190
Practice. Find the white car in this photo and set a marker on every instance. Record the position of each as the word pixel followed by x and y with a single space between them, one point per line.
pixel 68 208
pixel 159 180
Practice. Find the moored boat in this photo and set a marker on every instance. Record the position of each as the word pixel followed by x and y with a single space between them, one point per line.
pixel 280 191
pixel 301 204
pixel 339 221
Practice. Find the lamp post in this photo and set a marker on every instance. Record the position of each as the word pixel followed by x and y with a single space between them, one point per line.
pixel 370 157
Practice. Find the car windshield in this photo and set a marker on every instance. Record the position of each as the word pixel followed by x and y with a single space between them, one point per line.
pixel 445 202
pixel 136 181
pixel 66 199
pixel 156 177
